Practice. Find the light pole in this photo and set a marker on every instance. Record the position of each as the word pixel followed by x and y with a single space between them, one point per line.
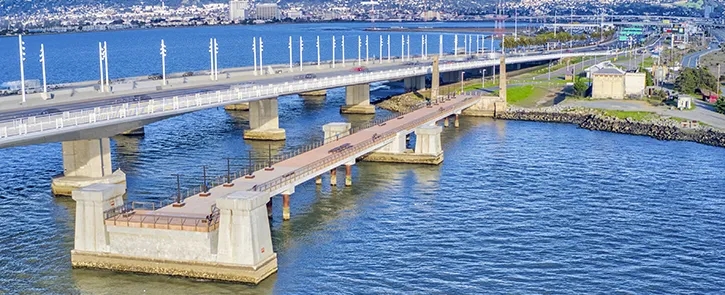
pixel 483 79
pixel 422 46
pixel 440 46
pixel 343 50
pixel 42 63
pixel 261 51
pixel 402 47
pixel 216 60
pixel 408 43
pixel 21 53
pixel 100 66
pixel 211 58
pixel 289 46
pixel 388 48
pixel 163 62
pixel 465 45
pixel 318 51
pixel 367 50
pixel 334 48
pixel 302 48
pixel 178 191
pixel 381 49
pixel 105 60
pixel 455 45
pixel 254 52
pixel 359 50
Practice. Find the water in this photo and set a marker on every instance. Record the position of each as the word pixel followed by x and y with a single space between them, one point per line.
pixel 516 207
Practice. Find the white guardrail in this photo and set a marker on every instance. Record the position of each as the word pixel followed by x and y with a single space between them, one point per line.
pixel 36 126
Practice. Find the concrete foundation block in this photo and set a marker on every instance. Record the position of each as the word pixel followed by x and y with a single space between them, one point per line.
pixel 269 135
pixel 135 132
pixel 315 93
pixel 486 107
pixel 408 157
pixel 65 185
pixel 237 107
pixel 358 109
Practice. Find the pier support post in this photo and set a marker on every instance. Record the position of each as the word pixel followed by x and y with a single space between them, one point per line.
pixel 455 122
pixel 414 83
pixel 333 177
pixel 357 100
pixel 445 122
pixel 428 143
pixel 285 203
pixel 348 173
pixel 264 121
pixel 318 180
pixel 269 208
pixel 86 162
pixel 427 151
pixel 91 203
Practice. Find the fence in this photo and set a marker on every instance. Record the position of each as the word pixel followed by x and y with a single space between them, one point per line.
pixel 134 215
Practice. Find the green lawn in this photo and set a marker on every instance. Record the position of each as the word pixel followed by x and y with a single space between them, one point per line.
pixel 519 94
pixel 635 115
pixel 477 86
pixel 648 62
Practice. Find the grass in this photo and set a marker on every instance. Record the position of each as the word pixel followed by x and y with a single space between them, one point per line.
pixel 520 95
pixel 648 62
pixel 634 115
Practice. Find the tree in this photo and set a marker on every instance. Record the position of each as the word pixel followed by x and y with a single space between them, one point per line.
pixel 648 77
pixel 692 79
pixel 720 106
pixel 580 87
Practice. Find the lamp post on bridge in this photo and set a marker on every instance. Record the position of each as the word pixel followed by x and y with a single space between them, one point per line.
pixel 367 50
pixel 100 66
pixel 105 59
pixel 178 191
pixel 204 186
pixel 21 50
pixel 440 46
pixel 163 63
pixel 359 49
pixel 289 46
pixel 343 50
pixel 455 45
pixel 261 50
pixel 334 48
pixel 402 47
pixel 381 49
pixel 388 48
pixel 318 51
pixel 42 63
pixel 302 48
pixel 254 52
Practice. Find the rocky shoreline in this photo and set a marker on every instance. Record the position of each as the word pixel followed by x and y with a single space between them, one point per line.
pixel 660 128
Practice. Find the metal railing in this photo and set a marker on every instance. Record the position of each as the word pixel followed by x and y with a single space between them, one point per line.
pixel 16 129
pixel 315 167
pixel 135 214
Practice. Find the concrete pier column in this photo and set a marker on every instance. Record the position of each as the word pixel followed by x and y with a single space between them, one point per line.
pixel 86 162
pixel 285 203
pixel 455 122
pixel 91 203
pixel 318 179
pixel 445 122
pixel 237 107
pixel 451 77
pixel 357 100
pixel 269 208
pixel 427 148
pixel 264 121
pixel 244 234
pixel 348 173
pixel 414 83
pixel 333 177
pixel 336 130
pixel 428 142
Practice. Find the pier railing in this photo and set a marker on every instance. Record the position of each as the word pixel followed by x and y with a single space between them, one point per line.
pixel 315 167
pixel 143 215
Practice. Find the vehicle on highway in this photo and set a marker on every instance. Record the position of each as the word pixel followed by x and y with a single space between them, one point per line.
pixel 187 74
pixel 305 77
pixel 360 69
pixel 155 76
pixel 49 111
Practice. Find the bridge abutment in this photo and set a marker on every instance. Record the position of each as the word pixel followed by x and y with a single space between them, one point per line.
pixel 489 106
pixel 264 121
pixel 414 83
pixel 232 244
pixel 86 162
pixel 357 100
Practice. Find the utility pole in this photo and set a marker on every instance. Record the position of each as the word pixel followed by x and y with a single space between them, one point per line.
pixel 318 51
pixel 334 47
pixel 105 59
pixel 343 51
pixel 211 58
pixel 261 50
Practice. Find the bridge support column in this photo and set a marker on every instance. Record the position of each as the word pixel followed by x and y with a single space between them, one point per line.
pixel 318 179
pixel 333 177
pixel 285 203
pixel 269 208
pixel 348 173
pixel 86 162
pixel 414 83
pixel 237 107
pixel 357 100
pixel 427 149
pixel 264 121
pixel 91 202
pixel 455 121
pixel 451 77
pixel 428 144
pixel 489 106
pixel 445 122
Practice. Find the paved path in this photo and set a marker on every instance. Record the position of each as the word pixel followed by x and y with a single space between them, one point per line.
pixel 300 168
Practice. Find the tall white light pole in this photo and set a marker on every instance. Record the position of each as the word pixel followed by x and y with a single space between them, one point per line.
pixel 100 66
pixel 440 45
pixel 163 62
pixel 381 49
pixel 334 48
pixel 465 45
pixel 422 46
pixel 254 52
pixel 302 48
pixel 343 50
pixel 216 60
pixel 408 43
pixel 388 48
pixel 105 60
pixel 211 58
pixel 516 24
pixel 426 46
pixel 21 54
pixel 455 45
pixel 359 50
pixel 42 63
pixel 402 47
pixel 367 50
pixel 289 46
pixel 261 51
pixel 318 51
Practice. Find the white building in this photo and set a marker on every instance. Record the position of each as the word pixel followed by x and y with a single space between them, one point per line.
pixel 267 11
pixel 238 10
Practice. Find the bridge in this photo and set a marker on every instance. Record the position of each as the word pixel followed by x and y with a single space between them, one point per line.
pixel 225 229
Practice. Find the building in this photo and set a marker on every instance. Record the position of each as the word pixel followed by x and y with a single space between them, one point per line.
pixel 613 83
pixel 707 11
pixel 267 11
pixel 238 10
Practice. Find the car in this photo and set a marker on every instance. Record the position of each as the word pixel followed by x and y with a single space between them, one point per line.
pixel 360 69
pixel 49 111
pixel 155 76
pixel 310 76
pixel 187 74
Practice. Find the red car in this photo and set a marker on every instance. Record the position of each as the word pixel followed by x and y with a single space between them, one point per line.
pixel 360 69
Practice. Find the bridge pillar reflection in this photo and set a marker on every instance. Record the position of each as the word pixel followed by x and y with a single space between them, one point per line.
pixel 86 162
pixel 357 100
pixel 264 121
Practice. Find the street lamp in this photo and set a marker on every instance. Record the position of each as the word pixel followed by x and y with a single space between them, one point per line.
pixel 42 62
pixel 178 192
pixel 440 46
pixel 318 51
pixel 455 45
pixel 211 58
pixel 163 63
pixel 254 52
pixel 343 50
pixel 105 59
pixel 204 186
pixel 302 48
pixel 21 50
pixel 334 47
pixel 289 46
pixel 100 66
pixel 359 50
pixel 402 47
pixel 388 48
pixel 261 50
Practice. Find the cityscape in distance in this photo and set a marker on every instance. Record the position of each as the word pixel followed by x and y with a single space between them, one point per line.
pixel 57 16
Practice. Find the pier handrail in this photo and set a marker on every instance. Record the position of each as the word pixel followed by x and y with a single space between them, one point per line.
pixel 155 219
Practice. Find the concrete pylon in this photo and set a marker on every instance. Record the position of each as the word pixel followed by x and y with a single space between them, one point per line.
pixel 435 80
pixel 86 162
pixel 357 100
pixel 91 202
pixel 264 121
pixel 502 80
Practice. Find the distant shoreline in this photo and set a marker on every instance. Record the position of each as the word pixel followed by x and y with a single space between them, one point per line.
pixel 447 29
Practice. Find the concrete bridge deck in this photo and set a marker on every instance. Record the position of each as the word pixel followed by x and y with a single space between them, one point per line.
pixel 199 214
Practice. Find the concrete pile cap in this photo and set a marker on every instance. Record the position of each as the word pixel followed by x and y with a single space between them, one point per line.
pixel 429 129
pixel 98 192
pixel 243 200
pixel 337 127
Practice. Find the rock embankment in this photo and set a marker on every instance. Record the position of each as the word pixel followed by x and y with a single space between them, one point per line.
pixel 659 128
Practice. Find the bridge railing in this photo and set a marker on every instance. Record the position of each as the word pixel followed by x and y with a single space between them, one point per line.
pixel 80 119
pixel 315 167
pixel 142 214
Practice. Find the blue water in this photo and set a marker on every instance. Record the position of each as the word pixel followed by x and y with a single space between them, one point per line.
pixel 515 208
